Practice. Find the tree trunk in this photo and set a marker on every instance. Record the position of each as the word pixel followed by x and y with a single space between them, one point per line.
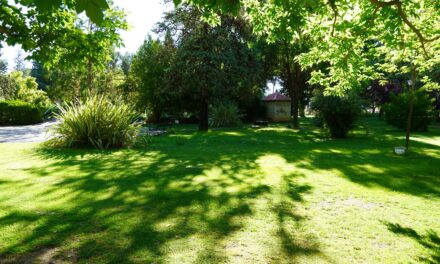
pixel 409 122
pixel 156 116
pixel 411 108
pixel 295 108
pixel 204 106
pixel 302 110
pixel 296 86
pixel 203 119
pixel 290 84
pixel 292 87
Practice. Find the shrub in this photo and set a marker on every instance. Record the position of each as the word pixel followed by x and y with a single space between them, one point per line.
pixel 8 89
pixel 225 114
pixel 15 112
pixel 338 114
pixel 26 89
pixel 96 122
pixel 396 112
pixel 35 97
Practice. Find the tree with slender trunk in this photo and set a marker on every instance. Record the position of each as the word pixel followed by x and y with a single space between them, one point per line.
pixel 293 78
pixel 411 91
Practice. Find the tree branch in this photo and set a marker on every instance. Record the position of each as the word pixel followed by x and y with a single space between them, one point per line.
pixel 412 27
pixel 335 12
pixel 404 17
pixel 384 3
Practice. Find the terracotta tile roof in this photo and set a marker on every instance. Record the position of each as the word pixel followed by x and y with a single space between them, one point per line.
pixel 276 97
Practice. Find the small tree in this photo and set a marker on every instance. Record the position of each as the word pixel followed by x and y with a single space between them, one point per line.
pixel 339 114
pixel 377 94
pixel 3 65
pixel 396 111
pixel 19 61
pixel 41 75
pixel 211 61
pixel 148 74
pixel 26 89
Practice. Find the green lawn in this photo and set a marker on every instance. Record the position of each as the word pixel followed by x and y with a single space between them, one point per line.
pixel 238 196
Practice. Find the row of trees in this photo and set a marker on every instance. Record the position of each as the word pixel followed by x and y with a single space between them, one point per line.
pixel 197 64
pixel 228 50
pixel 194 63
pixel 357 41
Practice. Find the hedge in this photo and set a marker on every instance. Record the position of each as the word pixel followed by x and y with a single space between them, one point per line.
pixel 15 112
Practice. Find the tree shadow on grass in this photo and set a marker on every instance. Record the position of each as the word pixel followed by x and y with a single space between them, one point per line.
pixel 293 244
pixel 370 162
pixel 141 205
pixel 430 241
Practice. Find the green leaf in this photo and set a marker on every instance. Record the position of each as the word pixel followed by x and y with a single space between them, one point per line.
pixel 47 5
pixel 95 15
pixel 95 10
pixel 80 5
pixel 102 4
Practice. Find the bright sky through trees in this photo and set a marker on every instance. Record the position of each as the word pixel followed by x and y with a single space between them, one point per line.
pixel 142 16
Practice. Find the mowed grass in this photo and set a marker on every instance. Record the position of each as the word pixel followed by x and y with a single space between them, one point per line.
pixel 272 195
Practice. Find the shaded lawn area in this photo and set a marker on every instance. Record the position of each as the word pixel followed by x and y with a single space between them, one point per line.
pixel 236 195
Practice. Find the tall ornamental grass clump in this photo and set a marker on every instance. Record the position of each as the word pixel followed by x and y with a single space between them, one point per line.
pixel 225 114
pixel 96 122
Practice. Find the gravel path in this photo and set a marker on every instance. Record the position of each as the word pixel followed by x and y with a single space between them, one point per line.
pixel 32 133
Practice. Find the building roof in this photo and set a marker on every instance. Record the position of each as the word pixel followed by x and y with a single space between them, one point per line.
pixel 277 96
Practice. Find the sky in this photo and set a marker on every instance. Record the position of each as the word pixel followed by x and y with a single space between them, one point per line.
pixel 142 15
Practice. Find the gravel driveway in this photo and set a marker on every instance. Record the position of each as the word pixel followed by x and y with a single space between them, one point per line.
pixel 32 133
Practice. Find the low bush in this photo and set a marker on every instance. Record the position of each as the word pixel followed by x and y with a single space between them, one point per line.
pixel 96 122
pixel 396 112
pixel 225 114
pixel 16 112
pixel 338 114
pixel 26 89
pixel 35 97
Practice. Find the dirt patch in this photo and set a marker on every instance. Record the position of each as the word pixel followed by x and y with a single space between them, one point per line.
pixel 350 202
pixel 359 203
pixel 42 256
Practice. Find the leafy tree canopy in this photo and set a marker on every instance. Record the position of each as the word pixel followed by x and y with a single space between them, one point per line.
pixel 353 36
pixel 212 62
pixel 51 29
